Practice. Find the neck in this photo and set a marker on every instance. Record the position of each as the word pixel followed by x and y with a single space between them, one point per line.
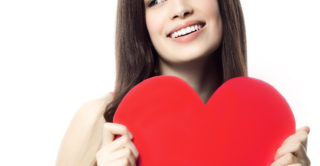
pixel 201 74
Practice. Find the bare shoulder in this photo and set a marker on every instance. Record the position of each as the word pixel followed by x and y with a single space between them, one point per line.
pixel 83 137
pixel 94 107
pixel 90 113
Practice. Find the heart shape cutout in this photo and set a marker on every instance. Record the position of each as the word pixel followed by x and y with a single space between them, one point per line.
pixel 243 123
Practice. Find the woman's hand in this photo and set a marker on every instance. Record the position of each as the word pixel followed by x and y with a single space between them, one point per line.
pixel 293 151
pixel 120 152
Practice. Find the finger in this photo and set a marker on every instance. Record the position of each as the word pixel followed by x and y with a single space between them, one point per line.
pixel 304 138
pixel 106 154
pixel 302 152
pixel 112 148
pixel 119 129
pixel 304 128
pixel 299 136
pixel 123 162
pixel 120 153
pixel 110 129
pixel 289 158
pixel 107 136
pixel 132 160
pixel 133 149
pixel 297 164
pixel 294 148
pixel 118 144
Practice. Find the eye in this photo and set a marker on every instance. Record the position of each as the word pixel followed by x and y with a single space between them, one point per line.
pixel 154 2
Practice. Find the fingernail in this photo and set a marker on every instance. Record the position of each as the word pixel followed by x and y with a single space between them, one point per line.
pixel 308 130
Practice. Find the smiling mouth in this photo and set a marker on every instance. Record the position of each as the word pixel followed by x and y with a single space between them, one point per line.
pixel 187 30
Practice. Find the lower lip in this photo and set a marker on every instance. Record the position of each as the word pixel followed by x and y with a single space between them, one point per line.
pixel 189 37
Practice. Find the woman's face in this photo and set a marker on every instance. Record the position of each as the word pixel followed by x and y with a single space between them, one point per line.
pixel 183 30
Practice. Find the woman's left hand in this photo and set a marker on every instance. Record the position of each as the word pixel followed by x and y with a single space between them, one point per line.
pixel 293 151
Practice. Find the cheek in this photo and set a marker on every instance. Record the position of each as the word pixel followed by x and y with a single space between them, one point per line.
pixel 212 12
pixel 154 24
pixel 211 8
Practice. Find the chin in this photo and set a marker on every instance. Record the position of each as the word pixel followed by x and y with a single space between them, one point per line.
pixel 184 58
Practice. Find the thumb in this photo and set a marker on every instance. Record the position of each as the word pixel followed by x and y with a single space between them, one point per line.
pixel 304 128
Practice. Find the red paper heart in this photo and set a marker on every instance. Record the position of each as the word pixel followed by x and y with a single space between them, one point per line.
pixel 244 122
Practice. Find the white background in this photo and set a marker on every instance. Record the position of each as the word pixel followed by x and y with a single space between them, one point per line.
pixel 55 55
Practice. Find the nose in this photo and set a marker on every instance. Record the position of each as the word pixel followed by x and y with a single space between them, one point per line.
pixel 181 9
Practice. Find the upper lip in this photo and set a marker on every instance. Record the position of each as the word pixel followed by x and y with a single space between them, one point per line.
pixel 184 25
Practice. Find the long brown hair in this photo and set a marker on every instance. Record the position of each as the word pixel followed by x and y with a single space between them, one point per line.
pixel 137 60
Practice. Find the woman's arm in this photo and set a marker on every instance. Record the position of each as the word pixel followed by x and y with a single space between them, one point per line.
pixel 83 137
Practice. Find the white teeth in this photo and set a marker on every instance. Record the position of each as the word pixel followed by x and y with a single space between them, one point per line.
pixel 185 31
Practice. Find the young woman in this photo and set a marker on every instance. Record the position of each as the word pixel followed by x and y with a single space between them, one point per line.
pixel 202 42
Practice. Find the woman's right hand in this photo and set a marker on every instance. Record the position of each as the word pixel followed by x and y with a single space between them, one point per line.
pixel 118 152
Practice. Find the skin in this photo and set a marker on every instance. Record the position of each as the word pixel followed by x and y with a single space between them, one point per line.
pixel 119 152
pixel 293 151
pixel 190 62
